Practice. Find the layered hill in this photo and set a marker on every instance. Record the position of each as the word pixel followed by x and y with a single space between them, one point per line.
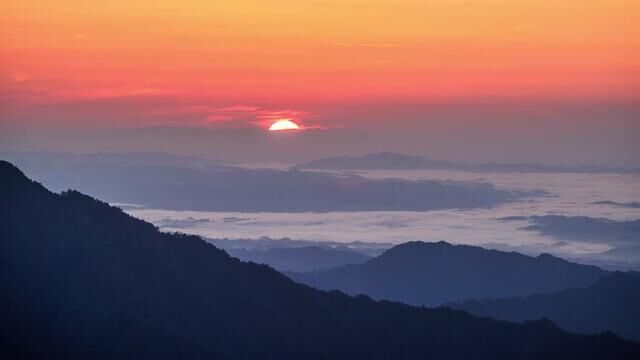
pixel 300 259
pixel 431 274
pixel 84 280
pixel 611 304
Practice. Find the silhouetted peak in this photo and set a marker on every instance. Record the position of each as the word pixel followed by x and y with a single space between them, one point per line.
pixel 76 195
pixel 549 257
pixel 10 172
pixel 13 179
pixel 416 248
pixel 17 188
pixel 431 245
pixel 419 245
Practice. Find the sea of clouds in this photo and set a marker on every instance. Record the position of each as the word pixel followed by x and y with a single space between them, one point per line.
pixel 568 194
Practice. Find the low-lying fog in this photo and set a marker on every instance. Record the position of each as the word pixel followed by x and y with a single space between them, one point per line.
pixel 569 195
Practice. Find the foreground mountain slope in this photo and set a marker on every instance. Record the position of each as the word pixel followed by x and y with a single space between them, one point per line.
pixel 84 280
pixel 431 274
pixel 611 304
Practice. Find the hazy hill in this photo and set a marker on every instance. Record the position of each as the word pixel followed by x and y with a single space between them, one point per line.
pixel 84 280
pixel 383 160
pixel 612 303
pixel 430 274
pixel 301 259
pixel 393 161
pixel 370 249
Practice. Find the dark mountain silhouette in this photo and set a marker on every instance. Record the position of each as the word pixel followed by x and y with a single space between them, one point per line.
pixel 611 304
pixel 300 259
pixel 431 274
pixel 393 161
pixel 179 183
pixel 84 280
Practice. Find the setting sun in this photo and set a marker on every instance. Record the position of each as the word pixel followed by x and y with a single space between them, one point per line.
pixel 359 179
pixel 284 124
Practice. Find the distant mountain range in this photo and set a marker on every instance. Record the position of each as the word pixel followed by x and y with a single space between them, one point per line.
pixel 301 259
pixel 82 279
pixel 612 303
pixel 393 161
pixel 579 298
pixel 182 183
pixel 431 274
pixel 264 243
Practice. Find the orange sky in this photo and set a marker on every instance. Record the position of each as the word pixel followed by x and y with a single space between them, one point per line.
pixel 292 52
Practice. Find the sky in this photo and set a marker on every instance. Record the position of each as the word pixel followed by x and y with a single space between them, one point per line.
pixel 383 64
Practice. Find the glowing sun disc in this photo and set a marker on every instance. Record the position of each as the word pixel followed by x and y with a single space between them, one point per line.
pixel 284 125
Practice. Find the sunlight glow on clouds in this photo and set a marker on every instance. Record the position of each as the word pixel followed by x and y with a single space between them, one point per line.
pixel 393 65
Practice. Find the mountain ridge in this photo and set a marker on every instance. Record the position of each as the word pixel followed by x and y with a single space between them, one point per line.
pixel 612 303
pixel 300 259
pixel 422 273
pixel 85 280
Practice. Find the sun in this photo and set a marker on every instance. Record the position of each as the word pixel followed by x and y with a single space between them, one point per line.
pixel 284 124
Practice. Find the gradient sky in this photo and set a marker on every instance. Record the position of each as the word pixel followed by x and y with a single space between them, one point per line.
pixel 326 63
